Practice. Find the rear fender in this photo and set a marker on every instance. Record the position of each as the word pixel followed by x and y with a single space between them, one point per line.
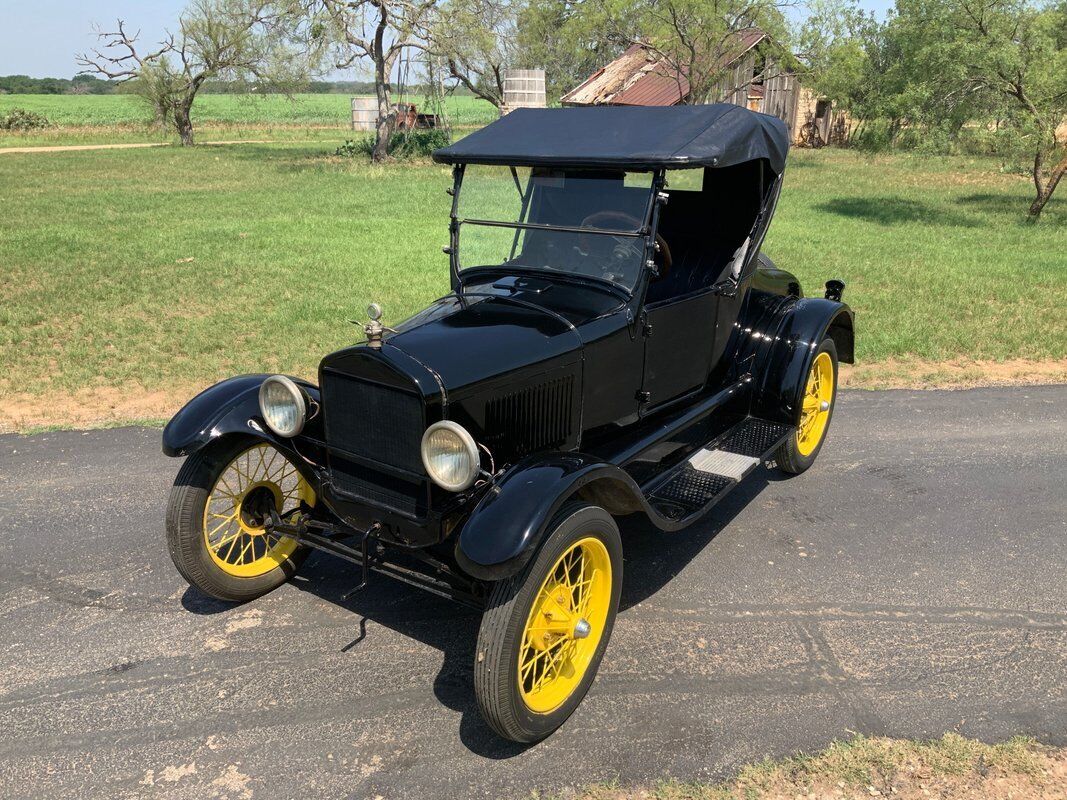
pixel 782 366
pixel 511 521
pixel 232 407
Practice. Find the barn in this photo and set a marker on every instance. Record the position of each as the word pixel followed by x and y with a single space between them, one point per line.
pixel 640 77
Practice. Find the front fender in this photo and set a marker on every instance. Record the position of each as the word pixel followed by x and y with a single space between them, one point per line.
pixel 231 406
pixel 783 368
pixel 509 523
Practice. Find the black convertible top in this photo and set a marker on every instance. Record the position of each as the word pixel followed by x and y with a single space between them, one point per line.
pixel 625 137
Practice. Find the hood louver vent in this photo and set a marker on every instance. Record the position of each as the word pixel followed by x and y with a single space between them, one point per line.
pixel 531 419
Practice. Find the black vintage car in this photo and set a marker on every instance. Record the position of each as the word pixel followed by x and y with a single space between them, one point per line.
pixel 614 343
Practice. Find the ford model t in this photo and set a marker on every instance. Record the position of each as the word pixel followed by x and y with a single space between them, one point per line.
pixel 614 343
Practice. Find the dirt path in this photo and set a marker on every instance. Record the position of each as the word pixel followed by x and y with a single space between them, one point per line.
pixel 66 148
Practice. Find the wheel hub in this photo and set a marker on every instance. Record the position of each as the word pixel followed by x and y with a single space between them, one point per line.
pixel 257 481
pixel 256 506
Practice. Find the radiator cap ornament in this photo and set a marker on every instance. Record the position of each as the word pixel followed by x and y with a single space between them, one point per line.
pixel 373 329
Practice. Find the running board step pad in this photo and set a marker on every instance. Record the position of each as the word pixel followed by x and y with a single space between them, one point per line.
pixel 710 473
pixel 693 488
pixel 719 462
pixel 754 437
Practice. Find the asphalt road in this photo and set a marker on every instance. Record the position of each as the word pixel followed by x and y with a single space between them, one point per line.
pixel 913 582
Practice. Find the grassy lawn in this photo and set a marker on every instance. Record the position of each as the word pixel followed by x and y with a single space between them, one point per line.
pixel 88 119
pixel 949 767
pixel 164 269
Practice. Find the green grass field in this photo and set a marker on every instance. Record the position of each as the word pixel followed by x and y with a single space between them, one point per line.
pixel 127 118
pixel 170 267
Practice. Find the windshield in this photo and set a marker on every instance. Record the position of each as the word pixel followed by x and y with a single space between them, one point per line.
pixel 580 222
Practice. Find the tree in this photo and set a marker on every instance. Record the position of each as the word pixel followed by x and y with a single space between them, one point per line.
pixel 478 40
pixel 379 31
pixel 558 35
pixel 1000 60
pixel 699 39
pixel 831 51
pixel 227 39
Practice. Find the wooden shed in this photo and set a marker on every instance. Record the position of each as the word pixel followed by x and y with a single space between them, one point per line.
pixel 639 77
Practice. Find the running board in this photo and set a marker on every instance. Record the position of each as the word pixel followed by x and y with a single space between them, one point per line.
pixel 694 486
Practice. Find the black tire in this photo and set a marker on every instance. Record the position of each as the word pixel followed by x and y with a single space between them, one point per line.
pixel 789 458
pixel 185 527
pixel 501 637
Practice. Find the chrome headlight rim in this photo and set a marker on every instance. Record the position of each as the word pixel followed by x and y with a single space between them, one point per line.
pixel 468 444
pixel 298 399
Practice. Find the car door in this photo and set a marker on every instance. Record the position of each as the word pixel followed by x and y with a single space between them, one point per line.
pixel 679 338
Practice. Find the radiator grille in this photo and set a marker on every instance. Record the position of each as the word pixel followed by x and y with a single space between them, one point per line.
pixel 386 490
pixel 373 421
pixel 379 424
pixel 531 419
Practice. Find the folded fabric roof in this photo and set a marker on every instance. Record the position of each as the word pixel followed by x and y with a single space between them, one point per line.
pixel 636 138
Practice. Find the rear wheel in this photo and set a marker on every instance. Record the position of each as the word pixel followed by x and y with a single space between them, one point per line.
pixel 217 514
pixel 798 452
pixel 546 629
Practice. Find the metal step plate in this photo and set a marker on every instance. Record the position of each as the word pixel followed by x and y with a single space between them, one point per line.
pixel 692 488
pixel 755 437
pixel 719 462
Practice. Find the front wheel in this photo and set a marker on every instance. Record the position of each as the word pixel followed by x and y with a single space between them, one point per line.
pixel 546 629
pixel 217 514
pixel 798 452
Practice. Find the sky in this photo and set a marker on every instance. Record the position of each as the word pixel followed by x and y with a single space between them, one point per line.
pixel 39 38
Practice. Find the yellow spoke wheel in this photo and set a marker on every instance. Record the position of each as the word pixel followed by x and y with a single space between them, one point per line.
pixel 798 452
pixel 565 624
pixel 815 409
pixel 238 506
pixel 545 629
pixel 217 518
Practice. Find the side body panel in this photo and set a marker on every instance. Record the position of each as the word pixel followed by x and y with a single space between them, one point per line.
pixel 769 352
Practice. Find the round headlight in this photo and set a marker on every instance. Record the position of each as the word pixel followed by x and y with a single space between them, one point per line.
pixel 282 404
pixel 450 456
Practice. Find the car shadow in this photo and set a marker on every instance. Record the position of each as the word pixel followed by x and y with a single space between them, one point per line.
pixel 652 559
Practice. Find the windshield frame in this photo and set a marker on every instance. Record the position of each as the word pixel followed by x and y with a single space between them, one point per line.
pixel 456 222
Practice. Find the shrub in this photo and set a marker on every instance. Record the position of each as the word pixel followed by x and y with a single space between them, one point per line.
pixel 19 119
pixel 403 145
pixel 418 143
pixel 359 147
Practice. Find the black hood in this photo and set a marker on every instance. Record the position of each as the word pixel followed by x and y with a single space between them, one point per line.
pixel 468 341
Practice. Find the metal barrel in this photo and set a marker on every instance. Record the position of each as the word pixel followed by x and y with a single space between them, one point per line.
pixel 364 113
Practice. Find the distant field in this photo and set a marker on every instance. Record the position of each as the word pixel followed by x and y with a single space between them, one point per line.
pixel 224 109
pixel 162 270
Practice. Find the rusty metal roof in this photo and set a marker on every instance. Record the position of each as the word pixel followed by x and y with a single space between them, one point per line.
pixel 640 78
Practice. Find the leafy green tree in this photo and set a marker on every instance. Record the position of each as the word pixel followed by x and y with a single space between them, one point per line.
pixel 478 41
pixel 832 48
pixel 958 61
pixel 374 31
pixel 564 37
pixel 215 40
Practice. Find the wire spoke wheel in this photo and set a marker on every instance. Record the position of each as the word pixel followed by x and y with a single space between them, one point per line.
pixel 545 628
pixel 238 506
pixel 565 625
pixel 815 410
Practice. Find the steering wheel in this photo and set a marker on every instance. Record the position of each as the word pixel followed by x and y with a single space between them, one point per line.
pixel 600 219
